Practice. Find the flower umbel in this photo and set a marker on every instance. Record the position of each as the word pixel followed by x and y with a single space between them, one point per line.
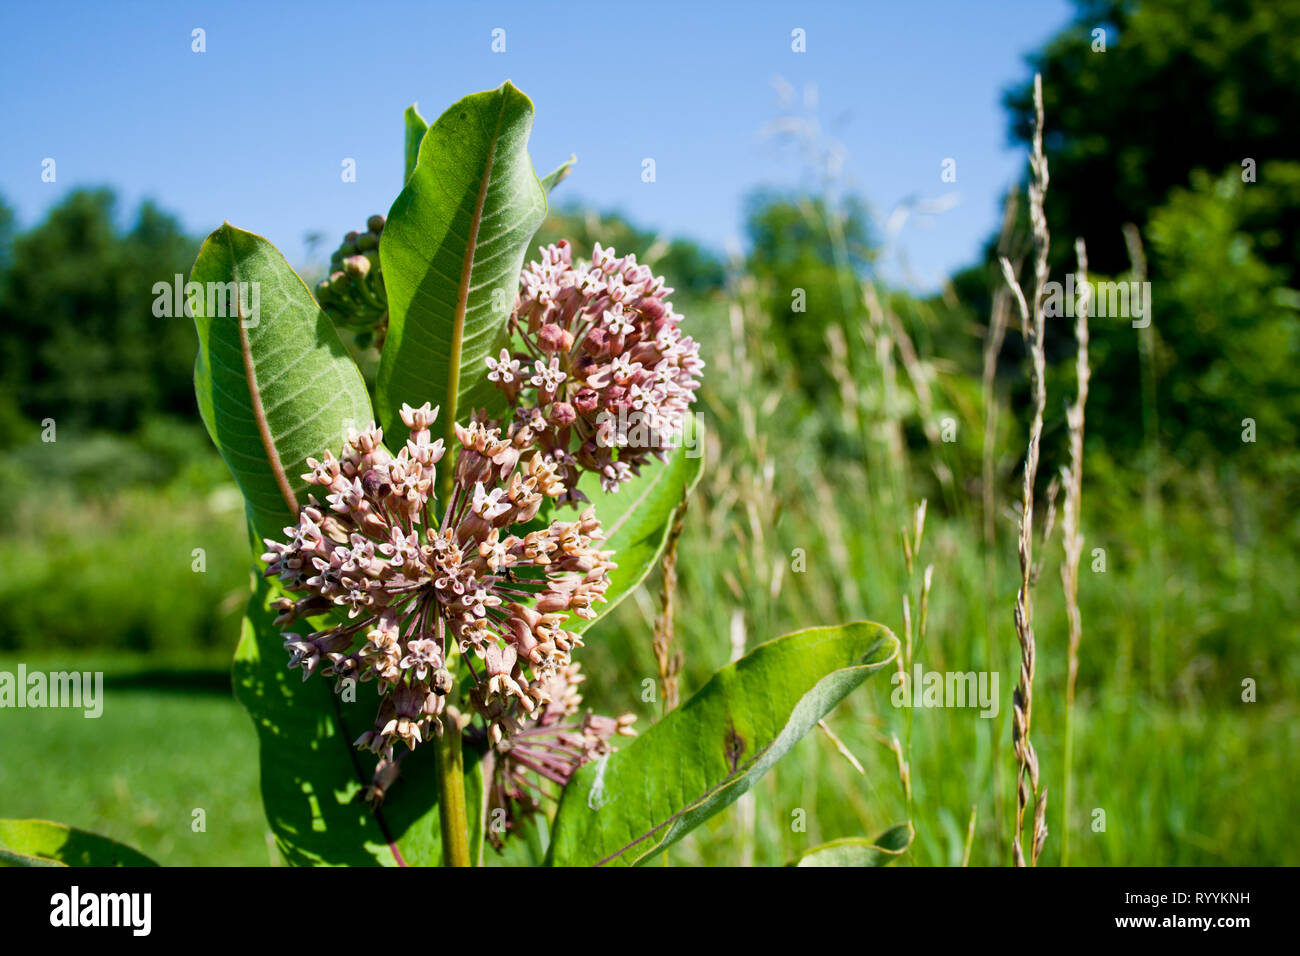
pixel 606 377
pixel 418 589
pixel 547 746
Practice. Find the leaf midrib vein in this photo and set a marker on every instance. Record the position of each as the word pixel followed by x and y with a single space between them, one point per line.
pixel 467 269
pixel 254 395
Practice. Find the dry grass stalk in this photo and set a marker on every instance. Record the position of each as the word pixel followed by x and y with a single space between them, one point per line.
pixel 906 656
pixel 1033 328
pixel 1000 312
pixel 917 375
pixel 999 315
pixel 1049 524
pixel 669 661
pixel 970 836
pixel 992 346
pixel 837 358
pixel 842 748
pixel 911 551
pixel 884 343
pixel 912 537
pixel 1071 534
pixel 893 744
pixel 893 334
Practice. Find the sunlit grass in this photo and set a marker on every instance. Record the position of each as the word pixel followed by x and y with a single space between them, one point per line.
pixel 168 743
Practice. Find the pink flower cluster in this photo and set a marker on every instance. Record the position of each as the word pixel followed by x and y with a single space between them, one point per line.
pixel 410 583
pixel 548 747
pixel 606 375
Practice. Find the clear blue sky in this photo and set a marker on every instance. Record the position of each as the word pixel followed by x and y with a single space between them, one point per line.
pixel 254 130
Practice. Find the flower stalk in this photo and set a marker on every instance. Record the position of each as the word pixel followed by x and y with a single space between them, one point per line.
pixel 451 796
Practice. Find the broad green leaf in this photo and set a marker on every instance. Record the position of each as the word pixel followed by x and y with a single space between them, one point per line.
pixel 637 518
pixel 313 779
pixel 8 858
pixel 274 383
pixel 42 843
pixel 415 130
pixel 859 851
pixel 452 249
pixel 559 173
pixel 701 757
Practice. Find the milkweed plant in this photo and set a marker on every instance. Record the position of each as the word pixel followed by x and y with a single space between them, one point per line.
pixel 431 560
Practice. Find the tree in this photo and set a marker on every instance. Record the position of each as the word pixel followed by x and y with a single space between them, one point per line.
pixel 1182 127
pixel 808 256
pixel 1182 85
pixel 1227 323
pixel 79 341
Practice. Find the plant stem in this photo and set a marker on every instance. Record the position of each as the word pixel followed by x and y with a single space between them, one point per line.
pixel 1069 788
pixel 451 794
pixel 670 663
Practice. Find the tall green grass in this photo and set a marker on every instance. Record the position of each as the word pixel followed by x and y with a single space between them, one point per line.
pixel 1183 769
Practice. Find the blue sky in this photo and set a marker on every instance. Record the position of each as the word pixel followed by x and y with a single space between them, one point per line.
pixel 255 129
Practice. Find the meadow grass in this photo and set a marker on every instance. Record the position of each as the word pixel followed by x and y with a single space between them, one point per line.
pixel 169 741
pixel 1185 771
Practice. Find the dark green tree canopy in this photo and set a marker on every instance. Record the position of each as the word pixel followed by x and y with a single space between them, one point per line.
pixel 1181 126
pixel 79 340
pixel 1182 85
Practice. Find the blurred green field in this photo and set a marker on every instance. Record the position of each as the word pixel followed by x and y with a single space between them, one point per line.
pixel 170 740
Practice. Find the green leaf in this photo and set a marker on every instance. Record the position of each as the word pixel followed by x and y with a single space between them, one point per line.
pixel 452 249
pixel 701 757
pixel 415 130
pixel 637 518
pixel 313 778
pixel 859 851
pixel 42 843
pixel 559 173
pixel 273 382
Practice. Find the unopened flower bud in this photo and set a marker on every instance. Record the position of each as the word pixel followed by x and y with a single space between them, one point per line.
pixel 552 338
pixel 652 309
pixel 356 266
pixel 375 484
pixel 562 414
